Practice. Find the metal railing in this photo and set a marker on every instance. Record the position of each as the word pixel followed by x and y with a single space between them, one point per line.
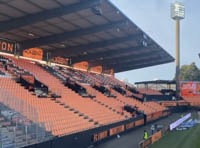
pixel 20 124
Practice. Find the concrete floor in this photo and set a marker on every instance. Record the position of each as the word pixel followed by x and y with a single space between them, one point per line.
pixel 132 139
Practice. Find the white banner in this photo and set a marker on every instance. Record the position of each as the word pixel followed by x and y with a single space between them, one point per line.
pixel 179 122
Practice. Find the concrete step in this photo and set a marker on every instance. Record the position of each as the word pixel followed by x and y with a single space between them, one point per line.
pixel 2 119
pixel 12 145
pixel 7 134
pixel 32 141
pixel 6 129
pixel 19 139
pixel 19 132
pixel 7 141
pixel 21 144
pixel 5 124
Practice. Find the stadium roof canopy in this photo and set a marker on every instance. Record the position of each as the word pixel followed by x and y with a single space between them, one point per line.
pixel 157 82
pixel 81 30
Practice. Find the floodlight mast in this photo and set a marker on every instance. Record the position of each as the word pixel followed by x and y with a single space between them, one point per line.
pixel 177 14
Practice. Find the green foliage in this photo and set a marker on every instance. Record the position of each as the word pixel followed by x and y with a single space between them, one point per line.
pixel 190 73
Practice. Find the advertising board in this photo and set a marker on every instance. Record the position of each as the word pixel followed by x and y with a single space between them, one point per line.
pixel 7 46
pixel 190 88
pixel 179 122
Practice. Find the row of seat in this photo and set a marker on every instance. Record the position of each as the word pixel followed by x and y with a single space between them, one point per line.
pixel 113 81
pixel 111 102
pixel 143 107
pixel 72 112
pixel 92 109
pixel 149 91
pixel 193 100
pixel 48 112
pixel 12 135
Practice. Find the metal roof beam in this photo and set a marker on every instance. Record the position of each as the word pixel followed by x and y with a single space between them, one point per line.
pixel 85 48
pixel 124 59
pixel 138 66
pixel 106 54
pixel 132 62
pixel 70 35
pixel 45 15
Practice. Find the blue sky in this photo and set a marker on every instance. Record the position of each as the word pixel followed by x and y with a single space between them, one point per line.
pixel 153 17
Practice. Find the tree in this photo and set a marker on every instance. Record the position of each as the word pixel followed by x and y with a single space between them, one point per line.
pixel 190 73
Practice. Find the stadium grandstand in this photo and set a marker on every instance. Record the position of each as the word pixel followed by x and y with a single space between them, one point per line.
pixel 57 64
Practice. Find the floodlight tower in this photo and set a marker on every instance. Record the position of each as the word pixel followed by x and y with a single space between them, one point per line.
pixel 177 14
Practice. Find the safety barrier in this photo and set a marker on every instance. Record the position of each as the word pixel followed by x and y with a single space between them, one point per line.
pixel 180 121
pixel 155 137
pixel 17 130
pixel 117 130
pixel 152 139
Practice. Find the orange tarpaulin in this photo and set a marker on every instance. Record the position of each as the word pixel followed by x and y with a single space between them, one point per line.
pixel 97 69
pixel 110 71
pixel 157 115
pixel 29 78
pixel 117 130
pixel 100 136
pixel 149 117
pixel 156 136
pixel 130 125
pixel 60 60
pixel 139 122
pixel 34 53
pixel 81 65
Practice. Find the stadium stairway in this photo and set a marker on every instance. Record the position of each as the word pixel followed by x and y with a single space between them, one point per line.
pixel 86 106
pixel 67 79
pixel 152 111
pixel 83 113
pixel 56 118
pixel 134 103
pixel 108 102
pixel 103 79
pixel 127 92
pixel 14 133
pixel 75 75
pixel 103 90
pixel 98 96
pixel 74 83
pixel 25 78
pixel 153 106
pixel 120 90
pixel 130 91
pixel 134 93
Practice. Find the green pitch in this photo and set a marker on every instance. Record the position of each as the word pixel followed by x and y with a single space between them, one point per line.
pixel 180 139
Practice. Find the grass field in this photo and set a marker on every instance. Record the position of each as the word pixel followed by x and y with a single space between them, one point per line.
pixel 180 139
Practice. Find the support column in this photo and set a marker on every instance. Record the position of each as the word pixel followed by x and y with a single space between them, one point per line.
pixel 177 57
